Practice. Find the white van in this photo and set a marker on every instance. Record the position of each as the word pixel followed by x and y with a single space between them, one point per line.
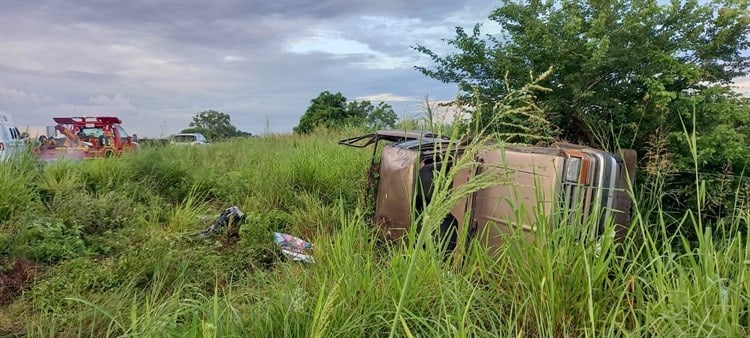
pixel 11 139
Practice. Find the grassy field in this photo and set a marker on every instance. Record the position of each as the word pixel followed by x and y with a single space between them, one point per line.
pixel 108 248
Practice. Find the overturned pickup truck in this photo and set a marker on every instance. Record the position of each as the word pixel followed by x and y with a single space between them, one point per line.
pixel 537 181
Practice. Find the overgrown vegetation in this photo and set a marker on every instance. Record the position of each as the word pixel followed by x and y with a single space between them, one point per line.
pixel 331 111
pixel 628 74
pixel 114 246
pixel 214 125
pixel 109 247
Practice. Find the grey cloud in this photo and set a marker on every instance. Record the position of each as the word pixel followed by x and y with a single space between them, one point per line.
pixel 156 64
pixel 200 10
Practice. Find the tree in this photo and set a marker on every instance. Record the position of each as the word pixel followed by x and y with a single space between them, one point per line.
pixel 722 153
pixel 359 111
pixel 381 117
pixel 625 73
pixel 325 110
pixel 332 111
pixel 618 65
pixel 372 117
pixel 214 125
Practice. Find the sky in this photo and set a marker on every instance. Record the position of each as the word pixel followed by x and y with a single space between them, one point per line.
pixel 155 64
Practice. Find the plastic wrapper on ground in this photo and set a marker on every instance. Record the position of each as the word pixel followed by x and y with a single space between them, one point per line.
pixel 295 248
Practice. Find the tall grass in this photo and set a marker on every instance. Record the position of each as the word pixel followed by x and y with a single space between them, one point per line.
pixel 140 272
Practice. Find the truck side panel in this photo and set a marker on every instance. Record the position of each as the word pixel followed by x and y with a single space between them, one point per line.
pixel 395 191
pixel 527 187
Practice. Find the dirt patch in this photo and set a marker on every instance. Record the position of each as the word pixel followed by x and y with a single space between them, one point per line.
pixel 15 277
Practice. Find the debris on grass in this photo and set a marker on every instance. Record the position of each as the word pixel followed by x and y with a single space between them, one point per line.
pixel 230 219
pixel 294 248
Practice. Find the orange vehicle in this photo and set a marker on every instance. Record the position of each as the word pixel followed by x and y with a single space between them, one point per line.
pixel 85 138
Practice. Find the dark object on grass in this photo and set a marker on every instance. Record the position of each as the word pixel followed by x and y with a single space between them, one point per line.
pixel 230 219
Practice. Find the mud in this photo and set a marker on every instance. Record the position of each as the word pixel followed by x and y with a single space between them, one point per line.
pixel 15 277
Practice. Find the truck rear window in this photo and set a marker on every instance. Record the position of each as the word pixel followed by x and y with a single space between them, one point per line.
pixel 91 132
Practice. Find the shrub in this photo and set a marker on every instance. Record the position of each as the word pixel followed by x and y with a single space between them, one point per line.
pixel 17 193
pixel 49 241
pixel 160 174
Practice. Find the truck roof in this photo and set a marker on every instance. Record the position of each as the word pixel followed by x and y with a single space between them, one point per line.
pixel 88 120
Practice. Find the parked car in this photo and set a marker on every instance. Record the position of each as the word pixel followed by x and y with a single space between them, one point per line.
pixel 193 139
pixel 11 139
pixel 547 181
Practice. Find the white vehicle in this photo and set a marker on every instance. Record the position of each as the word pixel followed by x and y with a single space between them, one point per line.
pixel 11 139
pixel 193 139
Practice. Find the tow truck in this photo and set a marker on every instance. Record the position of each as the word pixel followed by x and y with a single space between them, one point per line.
pixel 85 137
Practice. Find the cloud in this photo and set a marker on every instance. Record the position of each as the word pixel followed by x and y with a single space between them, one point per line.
pixel 16 96
pixel 351 51
pixel 742 86
pixel 387 97
pixel 232 58
pixel 111 102
pixel 156 64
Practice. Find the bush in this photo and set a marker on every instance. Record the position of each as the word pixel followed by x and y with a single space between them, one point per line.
pixel 160 174
pixel 17 193
pixel 49 241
